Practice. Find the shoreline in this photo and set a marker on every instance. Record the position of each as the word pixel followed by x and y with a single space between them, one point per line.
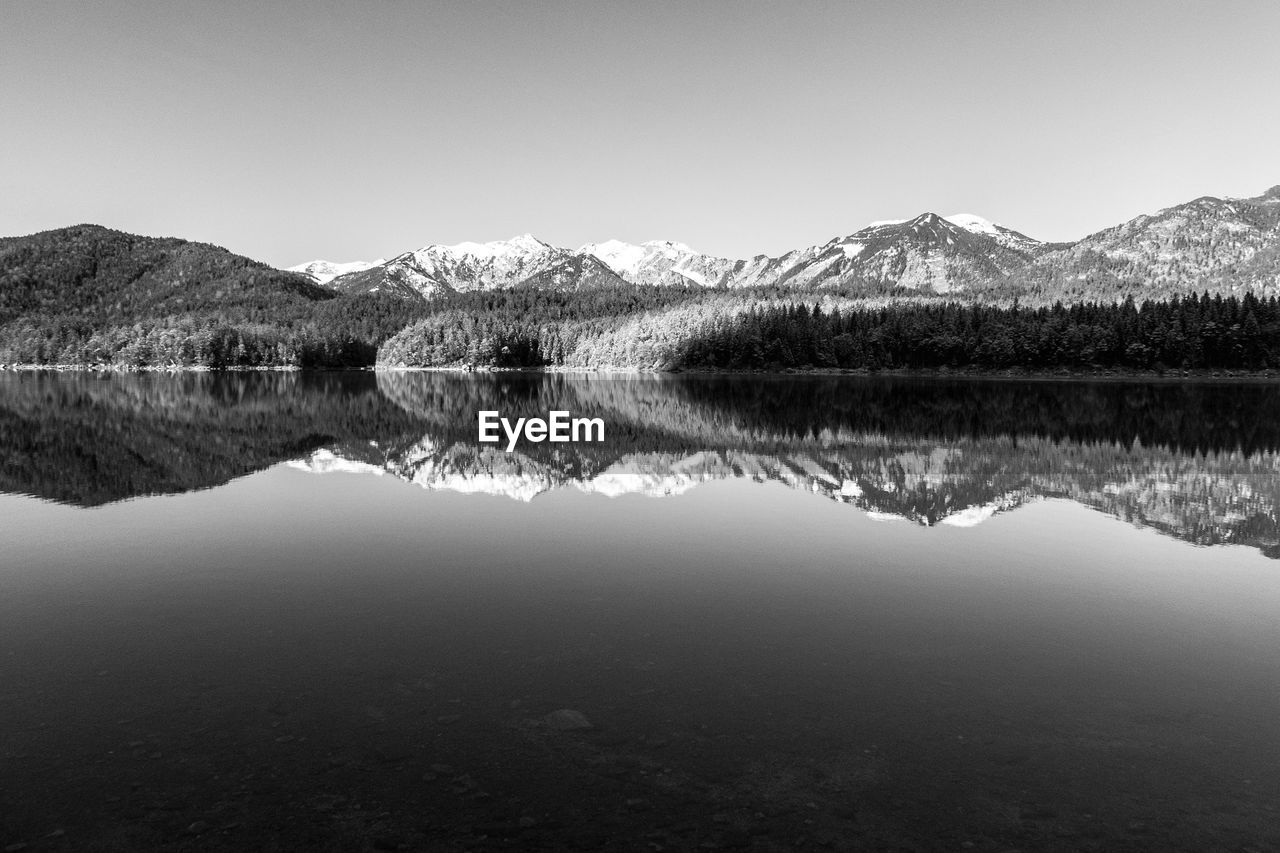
pixel 1057 374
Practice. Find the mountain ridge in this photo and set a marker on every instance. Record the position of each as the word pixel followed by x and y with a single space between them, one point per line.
pixel 1220 244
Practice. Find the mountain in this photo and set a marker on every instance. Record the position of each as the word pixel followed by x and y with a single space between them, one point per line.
pixel 96 274
pixel 575 273
pixel 89 295
pixel 1221 245
pixel 436 270
pixel 1218 244
pixel 322 272
pixel 927 253
pixel 662 263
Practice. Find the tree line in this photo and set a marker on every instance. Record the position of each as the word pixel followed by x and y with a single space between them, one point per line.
pixel 1195 332
pixel 743 331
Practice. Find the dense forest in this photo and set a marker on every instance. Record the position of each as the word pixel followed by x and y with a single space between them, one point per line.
pixel 91 296
pixel 744 332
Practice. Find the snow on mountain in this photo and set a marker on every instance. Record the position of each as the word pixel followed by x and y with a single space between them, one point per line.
pixel 623 258
pixel 972 222
pixel 523 245
pixel 484 266
pixel 661 262
pixel 462 267
pixel 574 273
pixel 1207 243
pixel 325 271
pixel 928 252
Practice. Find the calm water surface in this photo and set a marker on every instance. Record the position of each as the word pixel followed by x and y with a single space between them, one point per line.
pixel 288 611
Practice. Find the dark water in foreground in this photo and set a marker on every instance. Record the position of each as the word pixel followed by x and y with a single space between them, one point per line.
pixel 282 611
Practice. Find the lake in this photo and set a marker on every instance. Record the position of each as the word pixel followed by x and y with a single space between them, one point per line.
pixel 277 611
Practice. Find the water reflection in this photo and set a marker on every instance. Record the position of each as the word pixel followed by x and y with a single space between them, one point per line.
pixel 1197 461
pixel 349 662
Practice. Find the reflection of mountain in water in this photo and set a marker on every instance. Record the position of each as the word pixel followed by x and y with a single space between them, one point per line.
pixel 1196 461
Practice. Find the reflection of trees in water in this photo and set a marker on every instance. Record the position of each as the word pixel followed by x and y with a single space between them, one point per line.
pixel 1185 416
pixel 86 439
pixel 1196 460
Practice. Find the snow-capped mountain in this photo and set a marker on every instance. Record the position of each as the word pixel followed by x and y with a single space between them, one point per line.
pixel 1210 243
pixel 322 272
pixel 433 270
pixel 929 252
pixel 661 262
pixel 926 253
pixel 575 272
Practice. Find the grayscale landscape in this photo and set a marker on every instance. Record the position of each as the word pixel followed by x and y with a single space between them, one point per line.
pixel 462 427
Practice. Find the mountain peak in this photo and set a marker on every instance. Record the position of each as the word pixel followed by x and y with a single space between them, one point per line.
pixel 1181 245
pixel 968 221
pixel 659 262
pixel 925 219
pixel 323 271
pixel 610 245
pixel 972 222
pixel 526 239
pixel 670 244
pixel 519 243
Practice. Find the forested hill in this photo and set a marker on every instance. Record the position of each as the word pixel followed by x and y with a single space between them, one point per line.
pixel 92 295
pixel 94 273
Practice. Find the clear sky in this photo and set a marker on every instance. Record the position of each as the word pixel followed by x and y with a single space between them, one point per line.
pixel 289 130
